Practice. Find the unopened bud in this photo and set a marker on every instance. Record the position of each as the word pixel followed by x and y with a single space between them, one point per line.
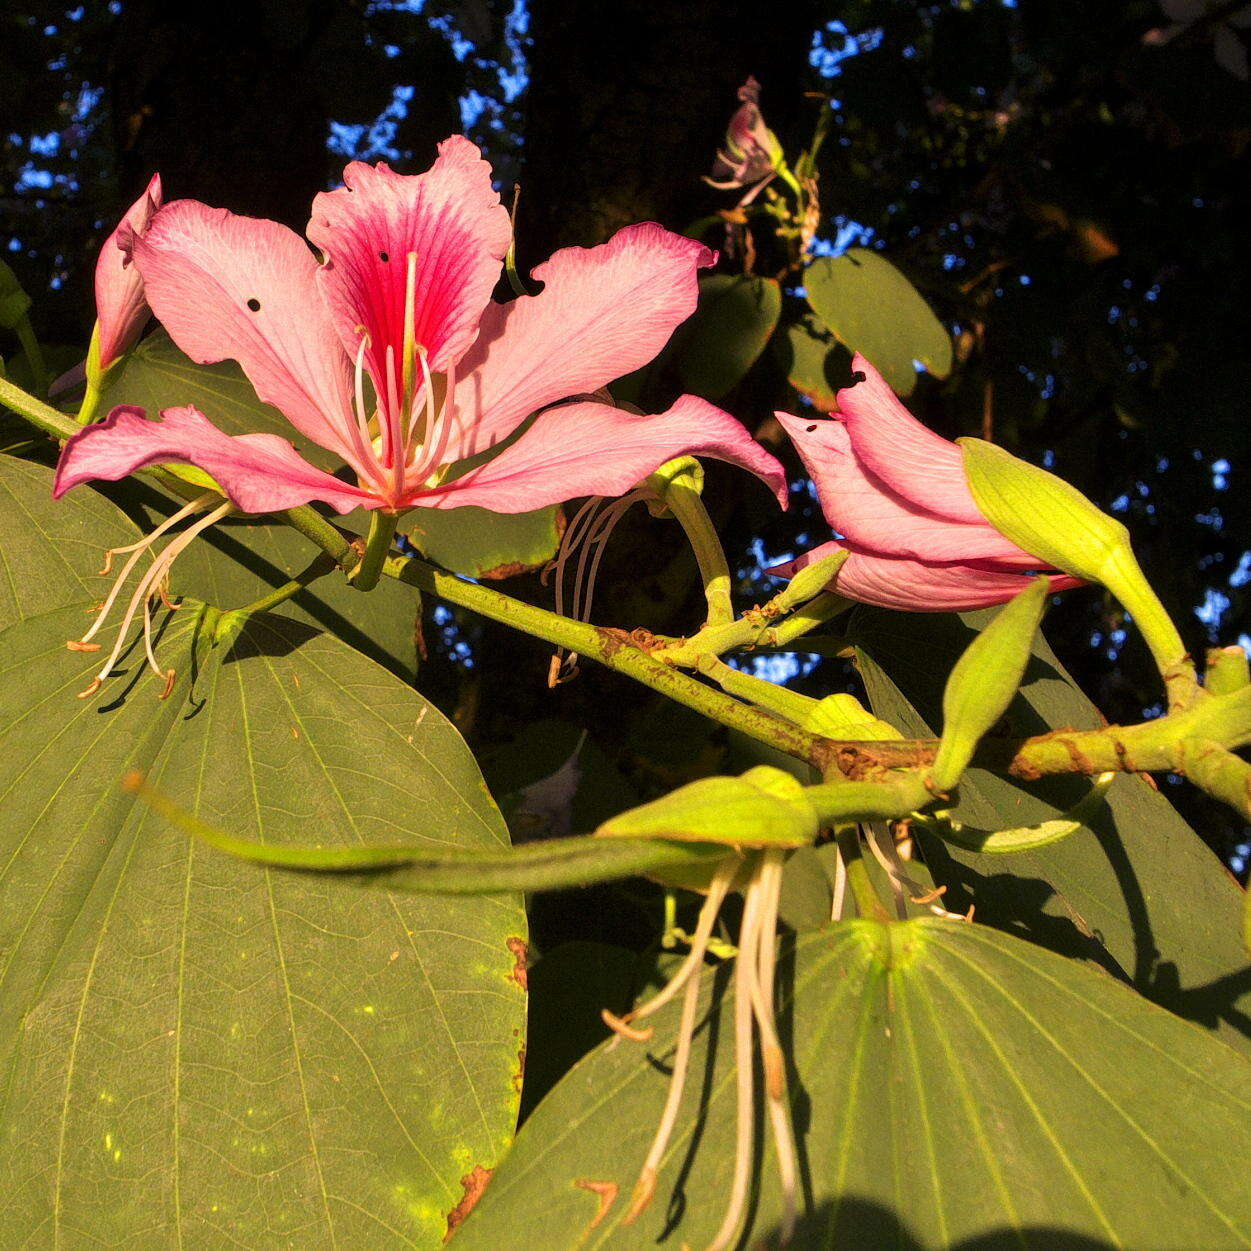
pixel 985 679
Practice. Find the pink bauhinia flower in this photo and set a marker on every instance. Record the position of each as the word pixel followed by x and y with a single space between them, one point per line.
pixel 121 309
pixel 897 494
pixel 389 353
pixel 752 153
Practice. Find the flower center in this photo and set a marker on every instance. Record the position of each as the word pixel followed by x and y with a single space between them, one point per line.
pixel 404 440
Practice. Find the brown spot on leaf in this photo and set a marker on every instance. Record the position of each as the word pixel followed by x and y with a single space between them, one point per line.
pixel 518 947
pixel 473 1184
pixel 519 1076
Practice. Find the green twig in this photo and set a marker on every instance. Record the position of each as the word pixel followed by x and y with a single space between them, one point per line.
pixel 377 548
pixel 41 415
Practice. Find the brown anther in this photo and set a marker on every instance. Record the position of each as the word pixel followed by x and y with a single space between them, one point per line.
pixel 968 916
pixel 624 1028
pixel 930 895
pixel 607 1192
pixel 77 645
pixel 168 689
pixel 96 684
pixel 108 562
pixel 774 1072
pixel 92 609
pixel 644 1189
pixel 163 591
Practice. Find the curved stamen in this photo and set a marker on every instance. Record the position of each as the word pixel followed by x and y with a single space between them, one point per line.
pixel 138 550
pixel 146 588
pixel 645 1187
pixel 390 426
pixel 745 1075
pixel 436 444
pixel 361 435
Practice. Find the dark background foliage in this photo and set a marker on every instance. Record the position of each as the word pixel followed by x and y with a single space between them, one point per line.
pixel 1070 193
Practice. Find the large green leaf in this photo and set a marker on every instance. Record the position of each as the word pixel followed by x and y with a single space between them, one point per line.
pixel 956 1087
pixel 1139 892
pixel 729 329
pixel 482 544
pixel 193 1050
pixel 872 308
pixel 242 559
pixel 816 363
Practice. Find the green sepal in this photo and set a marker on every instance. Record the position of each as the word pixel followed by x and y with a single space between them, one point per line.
pixel 765 807
pixel 984 680
pixel 810 581
pixel 843 716
pixel 1024 838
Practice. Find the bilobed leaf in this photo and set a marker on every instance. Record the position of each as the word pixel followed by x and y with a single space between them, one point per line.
pixel 482 544
pixel 195 1050
pixel 868 305
pixel 1138 892
pixel 735 318
pixel 960 1089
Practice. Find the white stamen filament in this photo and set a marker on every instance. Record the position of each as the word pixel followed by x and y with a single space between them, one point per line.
pixel 591 534
pixel 410 322
pixel 745 968
pixel 138 549
pixel 645 1186
pixel 436 444
pixel 839 895
pixel 147 587
pixel 902 886
pixel 772 1055
pixel 363 438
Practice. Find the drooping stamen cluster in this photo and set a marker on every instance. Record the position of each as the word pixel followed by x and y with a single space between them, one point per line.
pixel 587 534
pixel 402 443
pixel 906 890
pixel 152 586
pixel 754 977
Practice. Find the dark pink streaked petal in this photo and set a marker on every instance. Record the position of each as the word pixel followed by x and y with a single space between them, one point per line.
pixel 917 464
pixel 121 308
pixel 603 312
pixel 592 449
pixel 261 473
pixel 860 506
pixel 244 289
pixel 914 586
pixel 450 217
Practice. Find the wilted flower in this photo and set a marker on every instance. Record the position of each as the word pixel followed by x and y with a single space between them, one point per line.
pixel 897 495
pixel 752 153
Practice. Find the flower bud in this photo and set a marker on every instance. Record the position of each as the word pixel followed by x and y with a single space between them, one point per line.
pixel 985 679
pixel 764 808
pixel 1051 519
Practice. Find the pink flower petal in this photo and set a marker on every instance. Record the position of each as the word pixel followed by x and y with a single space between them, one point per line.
pixel 450 218
pixel 860 506
pixel 261 473
pixel 244 289
pixel 121 308
pixel 914 586
pixel 603 313
pixel 592 449
pixel 917 464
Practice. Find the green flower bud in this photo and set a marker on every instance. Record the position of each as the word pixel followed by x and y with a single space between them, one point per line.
pixel 764 808
pixel 1054 521
pixel 985 679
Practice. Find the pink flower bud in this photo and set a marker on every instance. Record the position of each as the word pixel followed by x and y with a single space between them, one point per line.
pixel 121 307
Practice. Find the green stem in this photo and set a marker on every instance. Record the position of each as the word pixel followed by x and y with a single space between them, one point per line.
pixel 34 354
pixel 868 903
pixel 39 414
pixel 321 566
pixel 786 703
pixel 377 548
pixel 314 527
pixel 613 648
pixel 687 506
